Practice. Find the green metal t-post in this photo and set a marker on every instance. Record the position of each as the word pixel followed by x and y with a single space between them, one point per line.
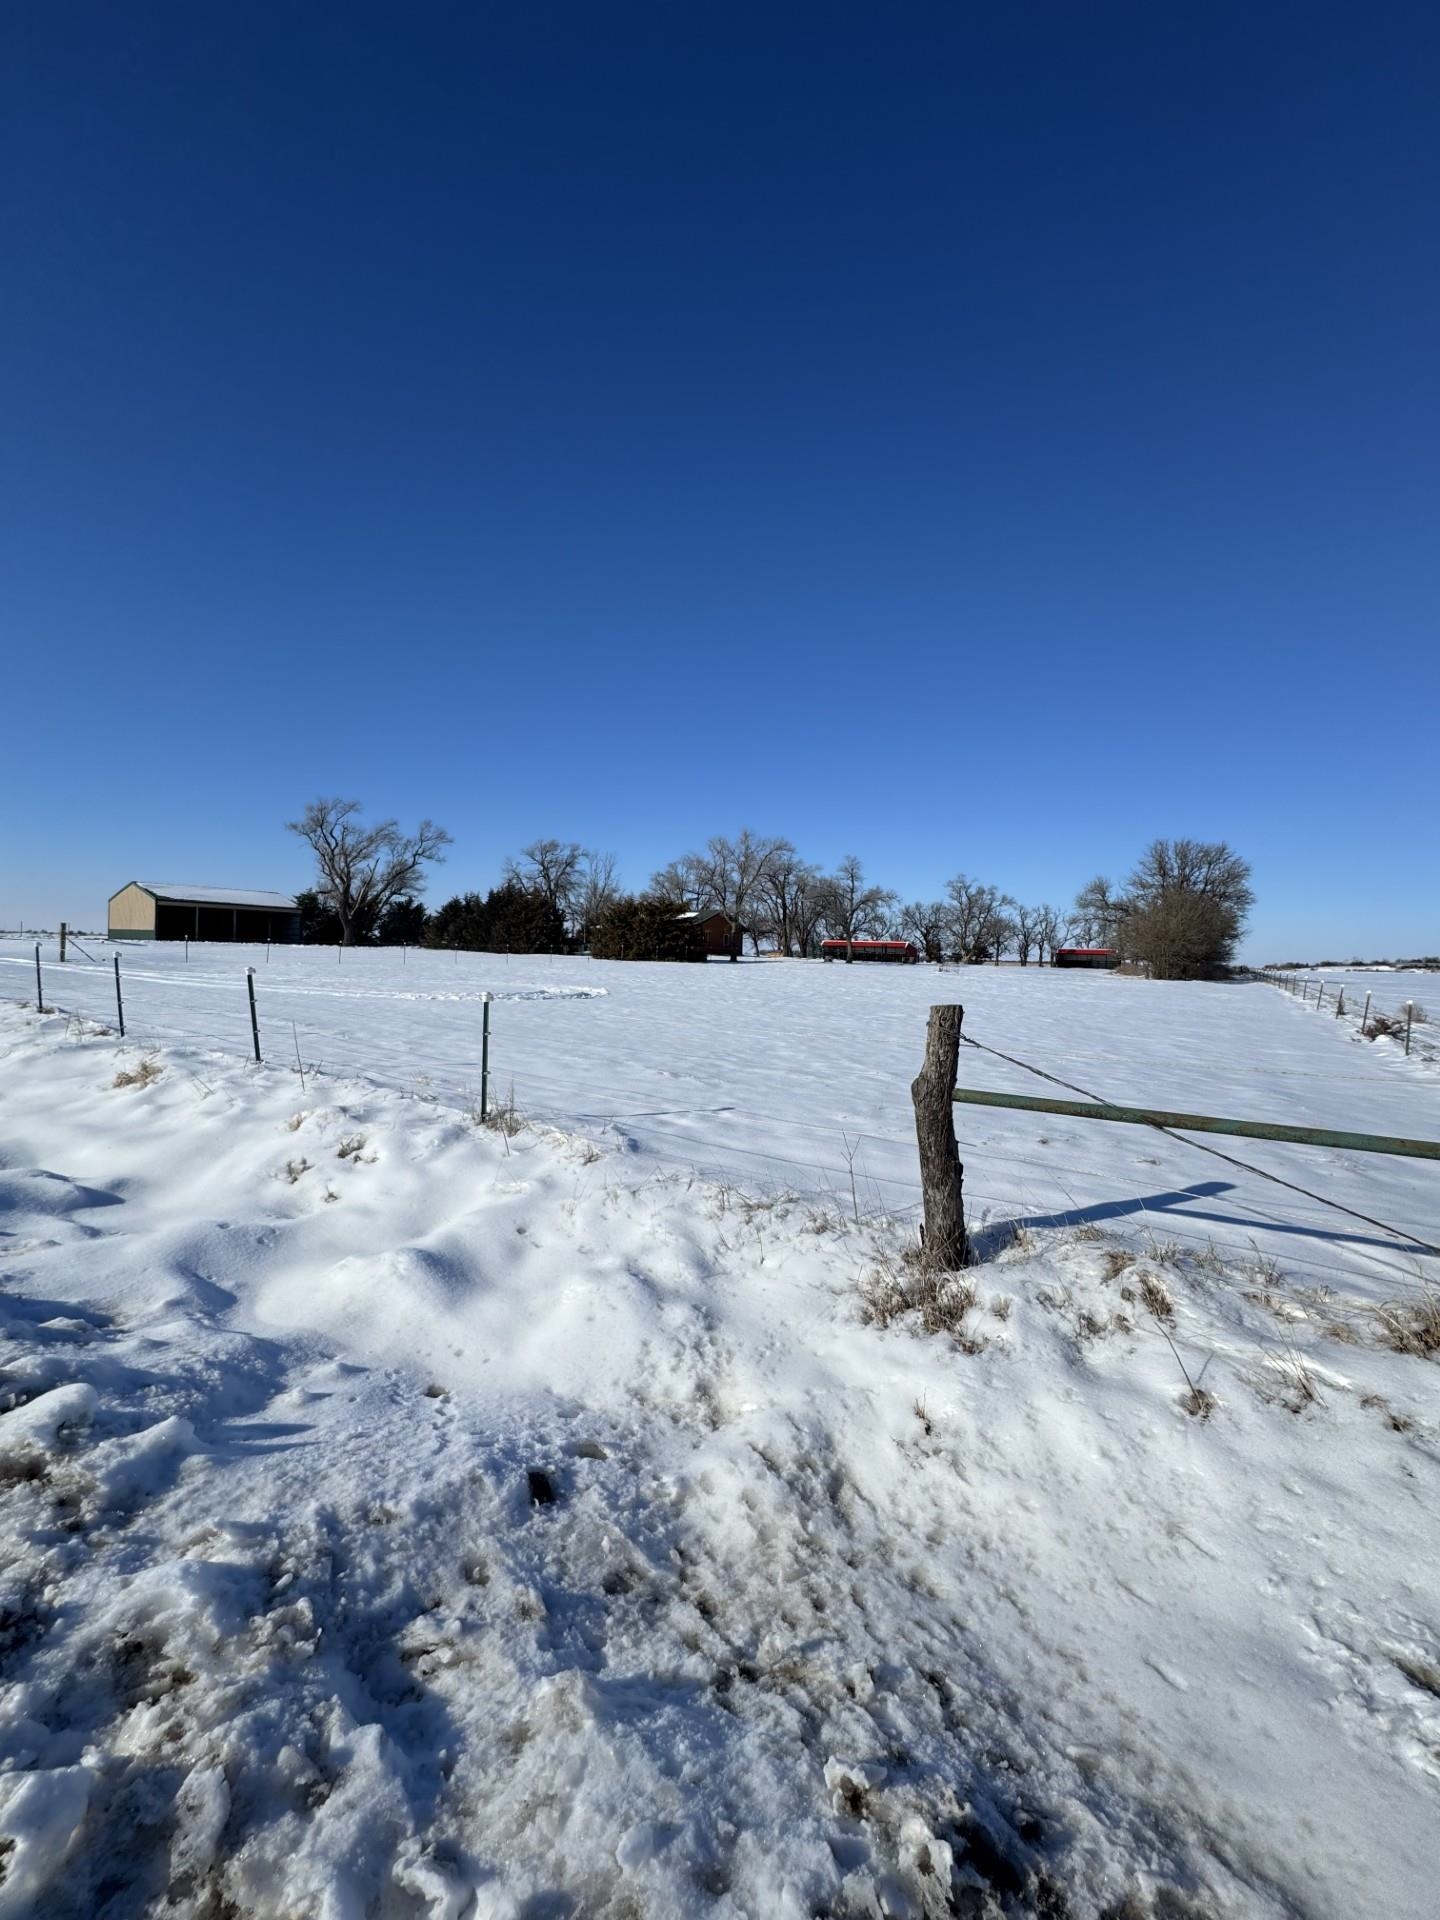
pixel 485 1000
pixel 254 1021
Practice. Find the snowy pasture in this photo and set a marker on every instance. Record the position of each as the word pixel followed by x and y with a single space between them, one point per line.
pixel 791 1076
pixel 406 1519
pixel 1349 991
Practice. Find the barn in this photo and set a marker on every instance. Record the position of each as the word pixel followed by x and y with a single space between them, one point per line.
pixel 138 912
pixel 723 935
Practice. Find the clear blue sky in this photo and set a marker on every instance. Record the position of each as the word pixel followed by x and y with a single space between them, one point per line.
pixel 971 438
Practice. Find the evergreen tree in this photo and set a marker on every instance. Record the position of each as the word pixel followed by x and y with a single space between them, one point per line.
pixel 512 918
pixel 402 924
pixel 523 919
pixel 319 924
pixel 459 923
pixel 646 927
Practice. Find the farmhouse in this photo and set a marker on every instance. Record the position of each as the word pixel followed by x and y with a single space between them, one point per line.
pixel 139 912
pixel 723 935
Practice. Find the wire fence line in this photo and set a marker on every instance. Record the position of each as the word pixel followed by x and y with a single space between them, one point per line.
pixel 197 1005
pixel 1407 1024
pixel 228 1015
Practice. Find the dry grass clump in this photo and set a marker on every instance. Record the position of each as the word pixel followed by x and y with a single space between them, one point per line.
pixel 1412 1326
pixel 144 1074
pixel 893 1289
pixel 1209 1260
pixel 1199 1402
pixel 1085 1324
pixel 1155 1296
pixel 1288 1382
pixel 503 1117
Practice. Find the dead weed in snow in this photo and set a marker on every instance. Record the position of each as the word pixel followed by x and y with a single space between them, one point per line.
pixel 1411 1326
pixel 892 1289
pixel 1397 1422
pixel 1155 1296
pixel 144 1074
pixel 1287 1381
pixel 503 1117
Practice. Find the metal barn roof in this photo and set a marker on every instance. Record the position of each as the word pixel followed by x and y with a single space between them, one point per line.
pixel 221 897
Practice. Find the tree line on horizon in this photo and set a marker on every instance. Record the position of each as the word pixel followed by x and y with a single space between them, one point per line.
pixel 1180 912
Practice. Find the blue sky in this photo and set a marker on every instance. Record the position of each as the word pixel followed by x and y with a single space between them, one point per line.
pixel 971 438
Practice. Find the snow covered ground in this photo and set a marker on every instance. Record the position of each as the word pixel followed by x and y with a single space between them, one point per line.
pixel 1347 992
pixel 774 1074
pixel 405 1519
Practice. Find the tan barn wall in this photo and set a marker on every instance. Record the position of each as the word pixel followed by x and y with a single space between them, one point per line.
pixel 132 913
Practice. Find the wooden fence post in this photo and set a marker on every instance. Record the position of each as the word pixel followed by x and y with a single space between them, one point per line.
pixel 942 1178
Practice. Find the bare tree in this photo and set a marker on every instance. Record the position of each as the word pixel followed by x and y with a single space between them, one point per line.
pixel 853 911
pixel 976 919
pixel 685 881
pixel 737 871
pixel 360 870
pixel 1049 931
pixel 1179 936
pixel 1099 908
pixel 999 926
pixel 728 877
pixel 1209 868
pixel 785 899
pixel 808 914
pixel 924 922
pixel 1026 922
pixel 597 891
pixel 551 868
pixel 1186 910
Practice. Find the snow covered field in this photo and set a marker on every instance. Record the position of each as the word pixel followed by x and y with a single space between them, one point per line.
pixel 771 1074
pixel 402 1519
pixel 1385 990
